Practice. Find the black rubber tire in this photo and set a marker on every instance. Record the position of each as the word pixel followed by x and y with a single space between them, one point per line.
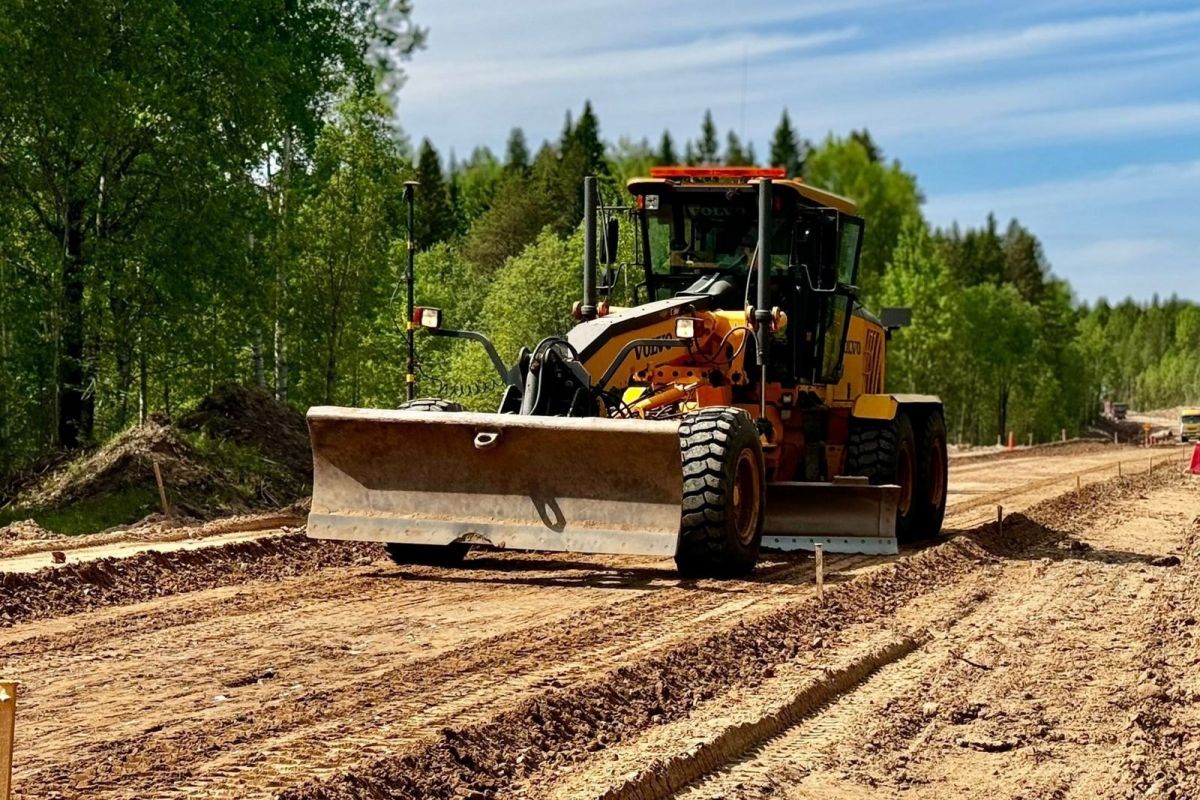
pixel 432 404
pixel 437 555
pixel 719 535
pixel 876 450
pixel 932 474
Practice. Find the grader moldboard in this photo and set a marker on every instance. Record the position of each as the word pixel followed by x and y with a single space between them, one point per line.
pixel 738 403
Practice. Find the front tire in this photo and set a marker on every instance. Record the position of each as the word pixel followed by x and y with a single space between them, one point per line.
pixel 438 555
pixel 724 494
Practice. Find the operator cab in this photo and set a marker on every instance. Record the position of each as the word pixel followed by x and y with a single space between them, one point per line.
pixel 699 237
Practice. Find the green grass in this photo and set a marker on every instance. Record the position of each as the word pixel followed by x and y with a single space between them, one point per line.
pixel 88 516
pixel 245 471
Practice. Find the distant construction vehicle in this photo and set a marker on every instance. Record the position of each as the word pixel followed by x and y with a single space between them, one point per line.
pixel 1115 411
pixel 738 403
pixel 1189 425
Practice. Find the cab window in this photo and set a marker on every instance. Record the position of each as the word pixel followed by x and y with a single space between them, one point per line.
pixel 849 245
pixel 717 236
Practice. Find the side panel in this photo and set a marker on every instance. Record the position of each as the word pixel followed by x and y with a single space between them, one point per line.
pixel 538 483
pixel 599 341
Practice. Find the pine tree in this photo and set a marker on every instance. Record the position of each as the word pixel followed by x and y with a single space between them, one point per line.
pixel 435 220
pixel 863 137
pixel 568 130
pixel 786 148
pixel 516 154
pixel 707 149
pixel 735 154
pixel 454 193
pixel 581 154
pixel 585 138
pixel 666 155
pixel 1024 262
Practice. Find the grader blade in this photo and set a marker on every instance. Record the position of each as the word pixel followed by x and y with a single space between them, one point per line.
pixel 525 482
pixel 845 516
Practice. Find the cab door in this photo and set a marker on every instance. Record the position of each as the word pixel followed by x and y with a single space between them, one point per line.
pixel 826 270
pixel 839 303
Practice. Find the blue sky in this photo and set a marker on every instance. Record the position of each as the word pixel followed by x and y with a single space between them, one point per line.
pixel 1082 119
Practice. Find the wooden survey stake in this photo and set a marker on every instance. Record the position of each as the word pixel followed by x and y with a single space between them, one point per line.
pixel 8 722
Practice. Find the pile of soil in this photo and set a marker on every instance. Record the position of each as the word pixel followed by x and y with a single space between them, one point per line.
pixel 26 530
pixel 22 479
pixel 268 466
pixel 126 462
pixel 254 419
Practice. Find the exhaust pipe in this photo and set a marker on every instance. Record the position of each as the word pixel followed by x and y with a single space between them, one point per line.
pixel 410 377
pixel 587 309
pixel 762 309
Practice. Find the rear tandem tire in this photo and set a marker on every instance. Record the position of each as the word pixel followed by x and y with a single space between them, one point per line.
pixel 886 453
pixel 724 494
pixel 437 555
pixel 932 474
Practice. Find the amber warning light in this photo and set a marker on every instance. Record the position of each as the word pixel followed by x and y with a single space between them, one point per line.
pixel 718 172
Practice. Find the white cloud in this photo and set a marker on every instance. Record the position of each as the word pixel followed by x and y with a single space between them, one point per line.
pixel 467 78
pixel 653 65
pixel 962 51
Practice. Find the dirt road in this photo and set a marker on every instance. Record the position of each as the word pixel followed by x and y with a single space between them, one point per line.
pixel 257 669
pixel 1040 678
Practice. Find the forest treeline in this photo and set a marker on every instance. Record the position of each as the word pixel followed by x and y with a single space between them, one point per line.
pixel 199 193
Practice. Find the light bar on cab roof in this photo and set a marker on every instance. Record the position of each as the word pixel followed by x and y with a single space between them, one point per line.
pixel 718 172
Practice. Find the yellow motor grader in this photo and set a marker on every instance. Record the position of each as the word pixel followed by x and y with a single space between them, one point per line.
pixel 737 403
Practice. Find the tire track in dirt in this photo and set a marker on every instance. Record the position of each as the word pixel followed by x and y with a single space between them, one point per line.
pixel 1095 469
pixel 543 736
pixel 152 534
pixel 1024 696
pixel 417 696
pixel 1162 750
pixel 562 727
pixel 668 775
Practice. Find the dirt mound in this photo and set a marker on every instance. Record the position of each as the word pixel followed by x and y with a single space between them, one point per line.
pixel 252 418
pixel 125 463
pixel 22 479
pixel 26 530
pixel 238 450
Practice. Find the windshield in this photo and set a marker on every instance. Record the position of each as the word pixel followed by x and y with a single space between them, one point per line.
pixel 712 237
pixel 1191 419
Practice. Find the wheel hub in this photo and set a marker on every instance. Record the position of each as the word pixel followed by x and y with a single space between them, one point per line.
pixel 746 497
